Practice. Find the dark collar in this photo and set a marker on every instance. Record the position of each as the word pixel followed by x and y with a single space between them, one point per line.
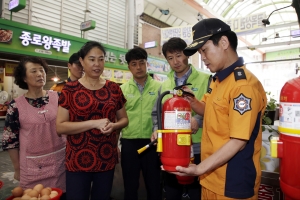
pixel 69 80
pixel 226 72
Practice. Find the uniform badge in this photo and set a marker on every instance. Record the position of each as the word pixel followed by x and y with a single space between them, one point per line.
pixel 242 104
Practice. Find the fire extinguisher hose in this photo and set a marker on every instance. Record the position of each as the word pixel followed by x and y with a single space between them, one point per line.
pixel 159 123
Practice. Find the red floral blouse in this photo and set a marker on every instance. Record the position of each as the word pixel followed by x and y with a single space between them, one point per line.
pixel 91 151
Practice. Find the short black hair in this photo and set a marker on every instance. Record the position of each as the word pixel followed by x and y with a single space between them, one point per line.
pixel 20 70
pixel 74 58
pixel 137 53
pixel 85 49
pixel 232 38
pixel 173 45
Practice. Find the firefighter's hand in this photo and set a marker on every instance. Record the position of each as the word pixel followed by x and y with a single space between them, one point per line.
pixel 189 98
pixel 194 125
pixel 191 170
pixel 187 89
pixel 154 136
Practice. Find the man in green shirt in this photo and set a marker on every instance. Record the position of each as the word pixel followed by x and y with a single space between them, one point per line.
pixel 141 94
pixel 180 74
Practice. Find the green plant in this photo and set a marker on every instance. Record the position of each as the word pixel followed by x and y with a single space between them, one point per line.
pixel 271 106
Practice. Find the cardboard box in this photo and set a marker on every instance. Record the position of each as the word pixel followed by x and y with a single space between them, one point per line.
pixel 270 187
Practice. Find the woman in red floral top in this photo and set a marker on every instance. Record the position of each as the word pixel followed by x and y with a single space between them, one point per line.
pixel 90 112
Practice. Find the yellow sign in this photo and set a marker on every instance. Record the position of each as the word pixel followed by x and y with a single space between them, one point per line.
pixel 9 68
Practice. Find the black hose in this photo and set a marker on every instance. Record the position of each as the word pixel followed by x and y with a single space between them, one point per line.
pixel 158 106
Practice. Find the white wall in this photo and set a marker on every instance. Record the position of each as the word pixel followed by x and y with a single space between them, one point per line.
pixel 274 75
pixel 9 86
pixel 66 16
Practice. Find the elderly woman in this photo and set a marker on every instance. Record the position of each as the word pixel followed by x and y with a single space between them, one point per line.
pixel 30 137
pixel 90 112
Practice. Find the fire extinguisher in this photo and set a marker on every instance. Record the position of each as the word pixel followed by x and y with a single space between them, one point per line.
pixel 174 132
pixel 287 145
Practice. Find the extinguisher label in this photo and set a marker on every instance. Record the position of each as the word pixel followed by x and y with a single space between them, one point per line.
pixel 289 115
pixel 177 119
pixel 183 139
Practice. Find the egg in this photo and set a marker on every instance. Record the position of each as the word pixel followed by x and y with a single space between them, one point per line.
pixel 54 192
pixel 52 195
pixel 45 191
pixel 33 198
pixel 45 197
pixel 27 190
pixel 17 192
pixel 38 187
pixel 49 188
pixel 33 193
pixel 26 196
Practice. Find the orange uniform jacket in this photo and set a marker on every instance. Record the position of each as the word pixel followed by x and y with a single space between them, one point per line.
pixel 235 104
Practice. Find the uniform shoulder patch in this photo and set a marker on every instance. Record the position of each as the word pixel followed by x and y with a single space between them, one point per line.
pixel 239 74
pixel 242 104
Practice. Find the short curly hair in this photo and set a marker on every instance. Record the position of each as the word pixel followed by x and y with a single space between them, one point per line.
pixel 20 70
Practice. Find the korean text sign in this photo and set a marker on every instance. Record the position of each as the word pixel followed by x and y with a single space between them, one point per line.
pixel 184 32
pixel 247 25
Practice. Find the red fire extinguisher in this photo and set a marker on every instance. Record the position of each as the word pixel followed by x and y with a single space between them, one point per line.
pixel 287 146
pixel 174 132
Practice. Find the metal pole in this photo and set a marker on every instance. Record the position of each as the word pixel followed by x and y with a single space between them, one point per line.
pixel 130 27
pixel 86 16
pixel 30 12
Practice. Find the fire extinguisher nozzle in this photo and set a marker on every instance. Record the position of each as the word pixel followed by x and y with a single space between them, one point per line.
pixel 146 147
pixel 141 150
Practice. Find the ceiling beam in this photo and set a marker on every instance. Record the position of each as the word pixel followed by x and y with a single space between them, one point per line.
pixel 205 12
pixel 200 8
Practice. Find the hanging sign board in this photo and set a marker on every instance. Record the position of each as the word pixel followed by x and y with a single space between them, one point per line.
pixel 87 25
pixel 16 5
pixel 184 32
pixel 28 40
pixel 249 24
pixel 151 44
pixel 295 33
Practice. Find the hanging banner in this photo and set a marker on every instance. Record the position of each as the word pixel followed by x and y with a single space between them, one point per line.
pixel 183 32
pixel 283 54
pixel 247 25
